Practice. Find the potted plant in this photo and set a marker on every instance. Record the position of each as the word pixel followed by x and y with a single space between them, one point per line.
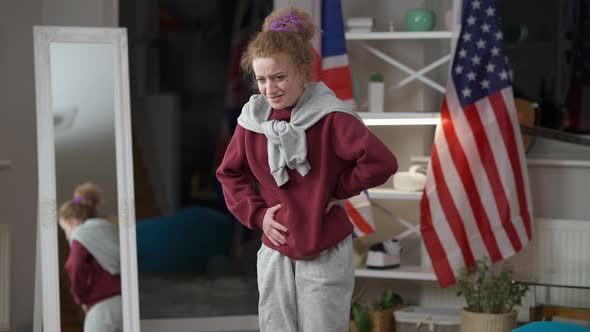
pixel 377 317
pixel 490 295
pixel 382 314
pixel 360 321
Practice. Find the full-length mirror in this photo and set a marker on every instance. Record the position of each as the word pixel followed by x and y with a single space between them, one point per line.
pixel 86 214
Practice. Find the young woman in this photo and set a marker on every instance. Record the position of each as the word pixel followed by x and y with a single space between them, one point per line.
pixel 297 151
pixel 93 264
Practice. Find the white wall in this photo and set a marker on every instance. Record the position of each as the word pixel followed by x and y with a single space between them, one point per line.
pixel 80 13
pixel 18 185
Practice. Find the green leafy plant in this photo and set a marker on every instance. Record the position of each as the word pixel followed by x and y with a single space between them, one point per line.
pixel 489 291
pixel 360 316
pixel 389 300
pixel 362 313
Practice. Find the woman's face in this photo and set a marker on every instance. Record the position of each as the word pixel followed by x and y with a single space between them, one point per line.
pixel 278 80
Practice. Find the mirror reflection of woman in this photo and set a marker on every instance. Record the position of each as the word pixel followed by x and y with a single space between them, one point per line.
pixel 93 264
pixel 297 151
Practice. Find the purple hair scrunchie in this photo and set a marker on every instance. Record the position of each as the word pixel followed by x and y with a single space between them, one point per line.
pixel 78 200
pixel 279 23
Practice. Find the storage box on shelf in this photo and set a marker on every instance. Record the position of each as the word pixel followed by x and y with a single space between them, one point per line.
pixel 422 319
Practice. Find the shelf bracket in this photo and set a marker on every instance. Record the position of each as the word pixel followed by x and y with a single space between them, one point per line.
pixel 410 228
pixel 404 68
pixel 424 70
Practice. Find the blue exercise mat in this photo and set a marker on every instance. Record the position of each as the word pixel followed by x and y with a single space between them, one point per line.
pixel 551 327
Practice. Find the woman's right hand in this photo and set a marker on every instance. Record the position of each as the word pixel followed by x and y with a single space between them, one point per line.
pixel 272 228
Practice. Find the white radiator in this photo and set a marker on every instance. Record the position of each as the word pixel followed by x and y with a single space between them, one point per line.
pixel 560 247
pixel 4 278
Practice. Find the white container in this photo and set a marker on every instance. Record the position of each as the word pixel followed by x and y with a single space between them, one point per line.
pixel 360 24
pixel 412 180
pixel 376 92
pixel 423 319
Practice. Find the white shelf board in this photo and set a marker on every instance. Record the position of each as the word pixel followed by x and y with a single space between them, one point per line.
pixel 402 272
pixel 400 118
pixel 385 193
pixel 548 162
pixel 534 160
pixel 387 35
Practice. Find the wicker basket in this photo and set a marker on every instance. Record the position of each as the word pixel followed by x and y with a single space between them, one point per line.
pixel 381 321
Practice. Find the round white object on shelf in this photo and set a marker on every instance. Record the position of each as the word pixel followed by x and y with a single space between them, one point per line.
pixel 412 180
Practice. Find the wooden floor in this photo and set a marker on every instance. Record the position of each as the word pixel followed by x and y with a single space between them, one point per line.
pixel 72 317
pixel 71 329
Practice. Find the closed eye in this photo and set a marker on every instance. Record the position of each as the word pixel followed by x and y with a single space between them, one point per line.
pixel 279 78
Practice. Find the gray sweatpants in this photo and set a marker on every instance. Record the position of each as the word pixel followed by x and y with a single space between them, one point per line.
pixel 305 295
pixel 105 316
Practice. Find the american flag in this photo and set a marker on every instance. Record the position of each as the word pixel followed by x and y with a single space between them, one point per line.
pixel 332 68
pixel 476 202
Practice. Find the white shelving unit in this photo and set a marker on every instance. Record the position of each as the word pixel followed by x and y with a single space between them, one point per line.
pixel 371 43
pixel 407 272
pixel 413 74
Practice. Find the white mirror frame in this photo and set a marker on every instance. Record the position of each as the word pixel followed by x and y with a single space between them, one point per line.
pixel 47 209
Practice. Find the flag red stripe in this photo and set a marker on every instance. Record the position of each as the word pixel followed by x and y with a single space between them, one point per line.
pixel 316 66
pixel 358 220
pixel 440 263
pixel 462 165
pixel 452 216
pixel 507 129
pixel 338 79
pixel 488 161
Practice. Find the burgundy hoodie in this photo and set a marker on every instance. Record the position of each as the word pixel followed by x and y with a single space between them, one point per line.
pixel 345 157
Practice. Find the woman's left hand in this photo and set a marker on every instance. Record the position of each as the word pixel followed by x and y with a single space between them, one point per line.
pixel 333 201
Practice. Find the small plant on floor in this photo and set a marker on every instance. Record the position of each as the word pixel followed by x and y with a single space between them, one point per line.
pixel 389 300
pixel 360 316
pixel 489 291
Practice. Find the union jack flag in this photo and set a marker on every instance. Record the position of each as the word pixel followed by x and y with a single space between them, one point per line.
pixel 331 67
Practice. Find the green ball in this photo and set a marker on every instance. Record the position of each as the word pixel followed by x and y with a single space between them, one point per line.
pixel 419 20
